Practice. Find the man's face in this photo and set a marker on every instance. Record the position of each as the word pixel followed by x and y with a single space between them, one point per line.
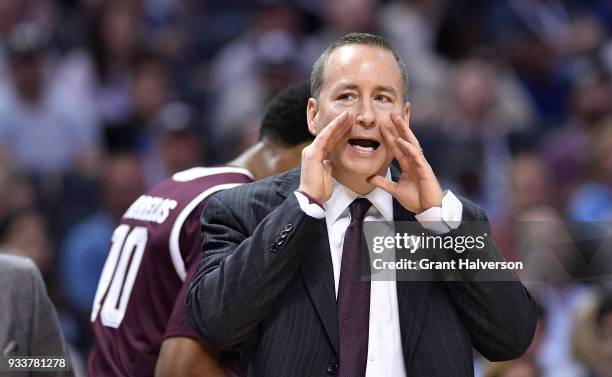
pixel 366 82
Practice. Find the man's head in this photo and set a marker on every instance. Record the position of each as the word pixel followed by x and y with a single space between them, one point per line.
pixel 284 125
pixel 362 74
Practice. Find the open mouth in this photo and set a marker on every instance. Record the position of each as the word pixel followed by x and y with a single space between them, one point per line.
pixel 366 145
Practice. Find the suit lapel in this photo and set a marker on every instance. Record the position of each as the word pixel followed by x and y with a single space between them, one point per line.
pixel 412 296
pixel 316 269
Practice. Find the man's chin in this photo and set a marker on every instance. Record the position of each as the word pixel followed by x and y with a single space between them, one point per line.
pixel 358 172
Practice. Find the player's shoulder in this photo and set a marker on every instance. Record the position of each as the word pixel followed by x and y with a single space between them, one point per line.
pixel 195 181
pixel 215 173
pixel 261 190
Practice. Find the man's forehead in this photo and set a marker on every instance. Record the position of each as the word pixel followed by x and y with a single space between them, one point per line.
pixel 353 60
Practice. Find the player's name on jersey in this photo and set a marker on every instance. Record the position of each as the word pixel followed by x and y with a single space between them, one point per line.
pixel 150 208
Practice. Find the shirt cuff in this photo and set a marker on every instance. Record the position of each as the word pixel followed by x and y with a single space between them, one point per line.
pixel 442 219
pixel 310 206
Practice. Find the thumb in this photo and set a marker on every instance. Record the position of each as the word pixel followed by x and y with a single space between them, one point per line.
pixel 383 183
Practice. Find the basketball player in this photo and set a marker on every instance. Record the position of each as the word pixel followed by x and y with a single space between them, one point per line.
pixel 139 300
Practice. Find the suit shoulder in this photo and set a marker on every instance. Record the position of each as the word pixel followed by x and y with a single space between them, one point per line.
pixel 256 191
pixel 471 210
pixel 19 275
pixel 16 265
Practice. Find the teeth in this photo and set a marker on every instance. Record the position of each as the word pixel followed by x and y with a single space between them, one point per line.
pixel 365 149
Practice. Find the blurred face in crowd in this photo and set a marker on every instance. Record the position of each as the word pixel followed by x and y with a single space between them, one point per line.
pixel 345 16
pixel 27 236
pixel 150 88
pixel 366 82
pixel 474 88
pixel 124 182
pixel 27 76
pixel 530 183
pixel 180 150
pixel 603 152
pixel 604 346
pixel 119 29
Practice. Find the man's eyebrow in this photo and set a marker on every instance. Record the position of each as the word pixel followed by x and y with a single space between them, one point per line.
pixel 378 88
pixel 349 86
pixel 384 88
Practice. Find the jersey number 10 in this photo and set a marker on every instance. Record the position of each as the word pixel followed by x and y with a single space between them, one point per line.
pixel 119 274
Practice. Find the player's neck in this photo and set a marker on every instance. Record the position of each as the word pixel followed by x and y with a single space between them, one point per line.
pixel 256 159
pixel 269 157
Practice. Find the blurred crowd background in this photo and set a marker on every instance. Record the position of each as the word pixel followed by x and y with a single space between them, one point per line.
pixel 511 100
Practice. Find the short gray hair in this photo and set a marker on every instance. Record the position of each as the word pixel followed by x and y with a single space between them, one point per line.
pixel 366 39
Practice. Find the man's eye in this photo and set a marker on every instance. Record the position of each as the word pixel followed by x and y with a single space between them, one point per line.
pixel 346 96
pixel 382 98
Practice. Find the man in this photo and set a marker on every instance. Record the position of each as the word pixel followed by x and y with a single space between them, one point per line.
pixel 139 301
pixel 30 326
pixel 280 281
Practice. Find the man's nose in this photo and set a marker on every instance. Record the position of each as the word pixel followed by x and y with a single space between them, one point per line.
pixel 365 115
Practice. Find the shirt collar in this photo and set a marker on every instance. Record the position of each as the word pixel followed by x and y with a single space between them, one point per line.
pixel 342 197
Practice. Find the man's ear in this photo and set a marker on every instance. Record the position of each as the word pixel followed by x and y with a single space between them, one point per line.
pixel 312 111
pixel 406 111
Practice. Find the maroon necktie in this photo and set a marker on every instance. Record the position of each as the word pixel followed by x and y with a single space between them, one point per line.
pixel 353 298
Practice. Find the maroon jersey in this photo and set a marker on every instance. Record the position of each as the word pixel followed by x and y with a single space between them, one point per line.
pixel 139 300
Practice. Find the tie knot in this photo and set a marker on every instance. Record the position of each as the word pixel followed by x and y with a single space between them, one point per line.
pixel 358 208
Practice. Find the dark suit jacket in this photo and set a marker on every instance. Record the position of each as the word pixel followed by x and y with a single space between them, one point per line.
pixel 265 288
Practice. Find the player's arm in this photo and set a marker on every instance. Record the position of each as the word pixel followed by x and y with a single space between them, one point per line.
pixel 183 352
pixel 186 357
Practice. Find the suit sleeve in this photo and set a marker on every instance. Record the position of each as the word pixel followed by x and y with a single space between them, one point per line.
pixel 46 338
pixel 499 315
pixel 244 270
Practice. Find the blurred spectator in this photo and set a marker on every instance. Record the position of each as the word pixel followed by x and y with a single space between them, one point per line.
pixel 339 17
pixel 250 70
pixel 530 187
pixel 96 79
pixel 472 148
pixel 547 246
pixel 31 115
pixel 544 78
pixel 180 147
pixel 593 336
pixel 567 149
pixel 15 191
pixel 141 131
pixel 86 244
pixel 603 339
pixel 593 199
pixel 23 232
pixel 411 26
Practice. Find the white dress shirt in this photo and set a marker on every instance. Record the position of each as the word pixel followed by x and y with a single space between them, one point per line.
pixel 385 355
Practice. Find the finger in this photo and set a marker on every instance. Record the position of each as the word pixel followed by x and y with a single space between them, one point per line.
pixel 404 130
pixel 414 154
pixel 390 139
pixel 383 183
pixel 333 132
pixel 327 165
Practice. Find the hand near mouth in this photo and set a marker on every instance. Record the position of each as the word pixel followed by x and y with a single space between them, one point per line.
pixel 316 175
pixel 417 189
